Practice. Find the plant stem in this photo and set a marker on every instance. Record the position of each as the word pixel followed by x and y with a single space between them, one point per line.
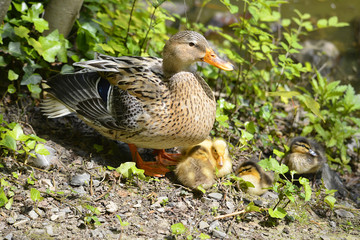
pixel 128 28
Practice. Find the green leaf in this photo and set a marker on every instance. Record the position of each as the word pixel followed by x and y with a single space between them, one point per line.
pixel 178 228
pixel 33 88
pixel 98 147
pixel 35 195
pixel 252 208
pixel 322 23
pixel 277 213
pixel 330 200
pixel 8 142
pixel 3 198
pixel 40 24
pixel 12 75
pixel 287 94
pixel 41 149
pixel 31 79
pixel 9 203
pixel 17 133
pixel 333 21
pixel 311 104
pixel 22 31
pixel 307 188
pixel 204 236
pixel 11 89
pixel 15 49
pixel 123 224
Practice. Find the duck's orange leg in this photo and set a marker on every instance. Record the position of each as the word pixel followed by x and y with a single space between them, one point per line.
pixel 155 169
pixel 166 159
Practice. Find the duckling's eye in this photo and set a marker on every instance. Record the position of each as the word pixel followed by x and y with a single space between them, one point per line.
pixel 191 44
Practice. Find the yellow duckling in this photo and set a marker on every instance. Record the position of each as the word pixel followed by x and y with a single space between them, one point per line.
pixel 221 157
pixel 305 156
pixel 196 169
pixel 251 172
pixel 199 162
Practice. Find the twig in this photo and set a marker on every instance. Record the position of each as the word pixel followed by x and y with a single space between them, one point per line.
pixel 128 28
pixel 102 195
pixel 230 214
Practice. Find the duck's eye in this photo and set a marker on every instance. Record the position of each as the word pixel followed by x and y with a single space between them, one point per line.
pixel 191 44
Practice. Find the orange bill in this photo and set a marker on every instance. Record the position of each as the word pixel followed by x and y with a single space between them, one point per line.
pixel 220 161
pixel 213 59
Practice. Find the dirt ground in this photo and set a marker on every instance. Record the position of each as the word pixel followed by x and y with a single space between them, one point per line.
pixel 147 209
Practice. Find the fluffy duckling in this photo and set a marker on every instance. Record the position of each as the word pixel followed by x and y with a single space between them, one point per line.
pixel 251 172
pixel 220 154
pixel 305 156
pixel 196 169
pixel 199 162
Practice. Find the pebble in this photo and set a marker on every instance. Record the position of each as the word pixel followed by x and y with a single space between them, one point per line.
pixel 214 224
pixel 19 223
pixel 203 225
pixel 80 190
pixel 344 214
pixel 161 210
pixel 217 196
pixel 80 180
pixel 49 230
pixel 8 237
pixel 332 224
pixel 230 205
pixel 219 234
pixel 44 161
pixel 33 215
pixel 286 230
pixel 11 220
pixel 111 207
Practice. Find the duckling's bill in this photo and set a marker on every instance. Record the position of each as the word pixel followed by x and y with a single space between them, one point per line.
pixel 213 59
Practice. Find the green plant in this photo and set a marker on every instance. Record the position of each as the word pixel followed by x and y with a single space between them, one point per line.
pixel 129 170
pixel 91 215
pixel 13 140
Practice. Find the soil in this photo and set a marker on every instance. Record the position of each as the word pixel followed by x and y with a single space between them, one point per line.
pixel 147 209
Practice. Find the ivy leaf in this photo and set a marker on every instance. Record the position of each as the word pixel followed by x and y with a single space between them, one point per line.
pixel 35 195
pixel 330 200
pixel 14 49
pixel 3 198
pixel 178 228
pixel 8 142
pixel 11 89
pixel 22 31
pixel 41 149
pixel 277 213
pixel 12 75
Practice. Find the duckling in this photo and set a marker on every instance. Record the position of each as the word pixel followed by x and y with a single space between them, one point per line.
pixel 252 172
pixel 220 154
pixel 196 169
pixel 199 162
pixel 305 156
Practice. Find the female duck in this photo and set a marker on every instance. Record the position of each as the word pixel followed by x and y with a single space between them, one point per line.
pixel 144 101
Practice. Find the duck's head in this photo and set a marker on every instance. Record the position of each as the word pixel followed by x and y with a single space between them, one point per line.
pixel 302 145
pixel 186 48
pixel 220 152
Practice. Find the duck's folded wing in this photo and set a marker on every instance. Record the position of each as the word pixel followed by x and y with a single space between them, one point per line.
pixel 80 93
pixel 142 77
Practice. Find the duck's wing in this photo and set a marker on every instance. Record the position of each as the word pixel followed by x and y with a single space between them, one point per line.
pixel 142 77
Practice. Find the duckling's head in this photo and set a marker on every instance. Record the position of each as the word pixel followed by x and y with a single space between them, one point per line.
pixel 302 145
pixel 186 48
pixel 220 152
pixel 250 168
pixel 251 172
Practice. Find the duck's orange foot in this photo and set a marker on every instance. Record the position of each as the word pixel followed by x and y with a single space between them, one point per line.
pixel 166 159
pixel 155 169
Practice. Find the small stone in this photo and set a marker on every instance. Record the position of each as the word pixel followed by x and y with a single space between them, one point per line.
pixel 161 210
pixel 230 205
pixel 286 230
pixel 96 183
pixel 80 180
pixel 217 196
pixel 80 190
pixel 219 234
pixel 214 224
pixel 203 225
pixel 33 215
pixel 11 220
pixel 8 237
pixel 324 238
pixel 49 230
pixel 258 203
pixel 66 210
pixel 270 195
pixel 19 223
pixel 181 206
pixel 44 161
pixel 332 224
pixel 111 207
pixel 344 214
